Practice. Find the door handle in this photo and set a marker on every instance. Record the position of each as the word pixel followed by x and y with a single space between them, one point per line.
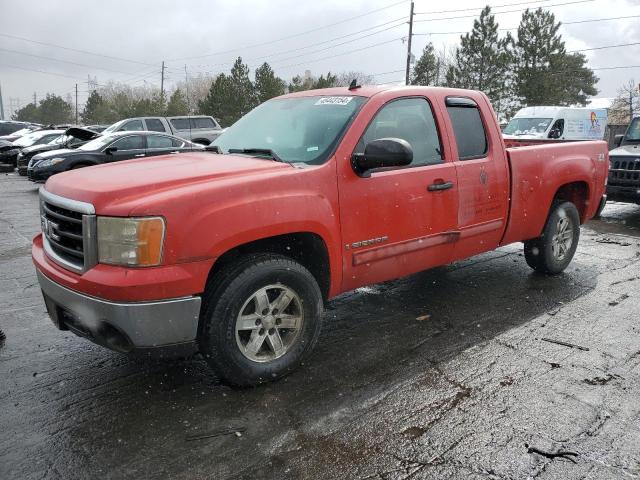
pixel 437 187
pixel 140 155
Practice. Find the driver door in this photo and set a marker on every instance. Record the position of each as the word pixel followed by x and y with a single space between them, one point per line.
pixel 398 221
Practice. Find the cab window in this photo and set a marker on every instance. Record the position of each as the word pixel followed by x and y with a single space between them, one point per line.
pixel 471 139
pixel 155 125
pixel 557 129
pixel 410 119
pixel 133 125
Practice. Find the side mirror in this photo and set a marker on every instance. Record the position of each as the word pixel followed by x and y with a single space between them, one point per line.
pixel 110 150
pixel 383 153
pixel 618 140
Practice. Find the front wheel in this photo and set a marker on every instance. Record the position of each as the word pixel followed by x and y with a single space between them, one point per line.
pixel 554 249
pixel 260 318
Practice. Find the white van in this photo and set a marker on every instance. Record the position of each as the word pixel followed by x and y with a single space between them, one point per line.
pixel 562 123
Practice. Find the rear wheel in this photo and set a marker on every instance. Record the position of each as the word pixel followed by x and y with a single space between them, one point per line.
pixel 260 318
pixel 553 251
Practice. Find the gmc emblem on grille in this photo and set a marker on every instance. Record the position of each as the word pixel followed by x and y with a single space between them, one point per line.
pixel 49 228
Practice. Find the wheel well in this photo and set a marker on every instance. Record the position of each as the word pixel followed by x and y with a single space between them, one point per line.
pixel 576 193
pixel 306 248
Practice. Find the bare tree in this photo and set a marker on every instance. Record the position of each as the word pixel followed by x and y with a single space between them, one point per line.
pixel 626 105
pixel 345 79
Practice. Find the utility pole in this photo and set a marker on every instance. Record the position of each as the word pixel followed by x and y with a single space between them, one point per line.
pixel 1 105
pixel 162 82
pixel 409 44
pixel 76 104
pixel 35 99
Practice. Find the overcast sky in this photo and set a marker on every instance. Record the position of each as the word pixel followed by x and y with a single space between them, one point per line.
pixel 134 37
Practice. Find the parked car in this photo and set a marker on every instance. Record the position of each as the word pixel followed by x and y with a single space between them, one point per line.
pixel 624 174
pixel 561 123
pixel 20 133
pixel 109 148
pixel 315 193
pixel 9 153
pixel 198 129
pixel 70 139
pixel 10 127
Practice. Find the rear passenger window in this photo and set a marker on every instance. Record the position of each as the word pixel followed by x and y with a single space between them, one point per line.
pixel 202 122
pixel 155 125
pixel 180 123
pixel 410 119
pixel 159 141
pixel 468 128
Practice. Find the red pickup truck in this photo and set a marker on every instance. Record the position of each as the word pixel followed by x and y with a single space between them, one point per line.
pixel 311 194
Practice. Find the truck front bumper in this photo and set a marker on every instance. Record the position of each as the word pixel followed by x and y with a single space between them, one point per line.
pixel 625 194
pixel 123 326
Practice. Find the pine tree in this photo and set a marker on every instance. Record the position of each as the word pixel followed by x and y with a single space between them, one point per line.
pixel 244 95
pixel 325 82
pixel 53 109
pixel 218 102
pixel 545 73
pixel 177 104
pixel 483 61
pixel 427 68
pixel 28 113
pixel 96 110
pixel 296 84
pixel 267 85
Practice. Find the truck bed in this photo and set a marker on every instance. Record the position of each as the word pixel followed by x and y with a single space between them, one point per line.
pixel 538 172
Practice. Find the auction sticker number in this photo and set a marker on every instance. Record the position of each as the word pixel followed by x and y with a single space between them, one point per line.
pixel 333 100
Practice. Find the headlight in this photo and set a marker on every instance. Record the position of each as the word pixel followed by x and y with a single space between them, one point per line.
pixel 49 162
pixel 130 241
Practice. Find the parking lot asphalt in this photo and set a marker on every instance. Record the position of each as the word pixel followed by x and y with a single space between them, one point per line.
pixel 450 373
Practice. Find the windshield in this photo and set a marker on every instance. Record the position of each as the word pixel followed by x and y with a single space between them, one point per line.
pixel 28 140
pixel 527 126
pixel 96 143
pixel 302 129
pixel 633 132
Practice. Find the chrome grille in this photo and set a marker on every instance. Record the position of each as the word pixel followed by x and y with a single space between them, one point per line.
pixel 68 228
pixel 624 172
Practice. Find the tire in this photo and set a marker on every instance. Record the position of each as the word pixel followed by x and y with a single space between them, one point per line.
pixel 547 253
pixel 246 352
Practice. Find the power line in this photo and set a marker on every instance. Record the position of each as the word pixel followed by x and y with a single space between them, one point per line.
pixel 604 48
pixel 39 71
pixel 290 36
pixel 500 13
pixel 480 8
pixel 63 61
pixel 15 37
pixel 516 28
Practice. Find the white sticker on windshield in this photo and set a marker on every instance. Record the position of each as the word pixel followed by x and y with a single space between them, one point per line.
pixel 333 100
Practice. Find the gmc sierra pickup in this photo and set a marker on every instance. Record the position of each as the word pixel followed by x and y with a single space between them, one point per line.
pixel 309 195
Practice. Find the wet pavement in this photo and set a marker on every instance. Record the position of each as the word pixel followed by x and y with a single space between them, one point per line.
pixel 451 373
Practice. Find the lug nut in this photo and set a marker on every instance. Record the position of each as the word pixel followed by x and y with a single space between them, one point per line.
pixel 265 311
pixel 275 311
pixel 272 331
pixel 278 321
pixel 261 332
pixel 258 322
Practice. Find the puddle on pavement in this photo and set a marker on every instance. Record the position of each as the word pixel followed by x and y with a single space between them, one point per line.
pixel 618 218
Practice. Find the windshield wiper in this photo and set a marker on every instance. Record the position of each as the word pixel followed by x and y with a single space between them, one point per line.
pixel 258 151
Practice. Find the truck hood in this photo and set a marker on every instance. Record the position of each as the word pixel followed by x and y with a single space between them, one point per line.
pixel 121 182
pixel 632 150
